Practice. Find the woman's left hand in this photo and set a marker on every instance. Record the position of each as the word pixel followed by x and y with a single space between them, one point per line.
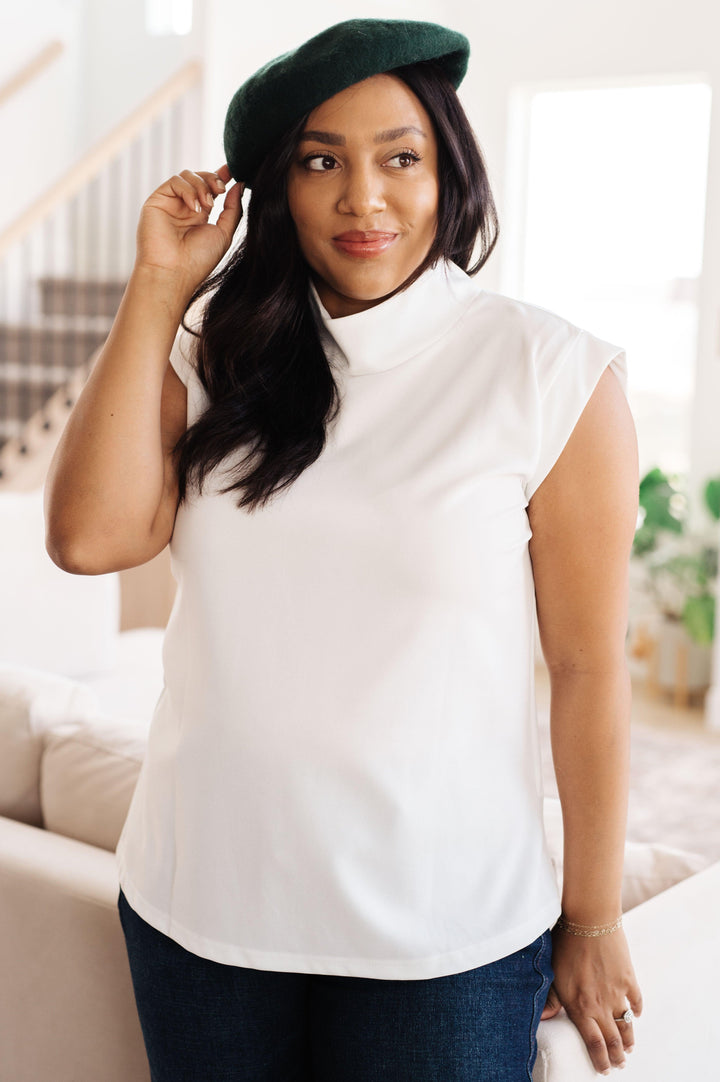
pixel 594 978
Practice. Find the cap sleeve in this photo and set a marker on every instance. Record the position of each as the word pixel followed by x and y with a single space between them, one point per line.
pixel 565 383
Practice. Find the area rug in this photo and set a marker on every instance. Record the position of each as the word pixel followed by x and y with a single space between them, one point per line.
pixel 674 786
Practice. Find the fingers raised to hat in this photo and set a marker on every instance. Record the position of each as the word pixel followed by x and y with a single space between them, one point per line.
pixel 200 189
pixel 224 177
pixel 231 213
pixel 224 173
pixel 215 184
pixel 186 186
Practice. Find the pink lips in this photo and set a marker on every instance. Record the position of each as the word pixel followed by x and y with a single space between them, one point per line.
pixel 363 244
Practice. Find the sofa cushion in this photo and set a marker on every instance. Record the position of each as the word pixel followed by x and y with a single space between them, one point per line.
pixel 51 620
pixel 88 776
pixel 652 868
pixel 649 867
pixel 31 702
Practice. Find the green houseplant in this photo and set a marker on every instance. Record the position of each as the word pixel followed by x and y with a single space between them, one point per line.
pixel 676 567
pixel 681 564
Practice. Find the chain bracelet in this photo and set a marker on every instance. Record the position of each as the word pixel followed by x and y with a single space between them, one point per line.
pixel 590 930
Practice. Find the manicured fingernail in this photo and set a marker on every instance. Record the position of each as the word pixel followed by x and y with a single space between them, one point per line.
pixel 630 1048
pixel 197 206
pixel 606 1071
pixel 621 1065
pixel 222 185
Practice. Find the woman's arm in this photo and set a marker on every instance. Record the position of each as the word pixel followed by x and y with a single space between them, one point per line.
pixel 111 490
pixel 583 518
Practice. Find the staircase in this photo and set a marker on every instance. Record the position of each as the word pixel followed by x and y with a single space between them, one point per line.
pixel 65 263
pixel 73 320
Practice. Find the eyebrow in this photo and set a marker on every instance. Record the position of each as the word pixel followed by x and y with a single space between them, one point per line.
pixel 334 140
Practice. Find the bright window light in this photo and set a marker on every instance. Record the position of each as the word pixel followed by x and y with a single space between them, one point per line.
pixel 168 16
pixel 614 217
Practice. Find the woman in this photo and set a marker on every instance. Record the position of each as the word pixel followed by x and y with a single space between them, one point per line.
pixel 369 470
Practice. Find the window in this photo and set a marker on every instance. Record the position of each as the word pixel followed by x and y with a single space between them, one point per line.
pixel 168 16
pixel 610 188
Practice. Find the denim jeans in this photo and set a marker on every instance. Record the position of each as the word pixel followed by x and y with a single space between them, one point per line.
pixel 204 1021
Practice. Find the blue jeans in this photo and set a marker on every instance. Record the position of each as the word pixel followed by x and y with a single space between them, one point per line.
pixel 204 1021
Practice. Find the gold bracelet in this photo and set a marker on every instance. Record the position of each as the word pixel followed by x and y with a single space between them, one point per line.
pixel 588 929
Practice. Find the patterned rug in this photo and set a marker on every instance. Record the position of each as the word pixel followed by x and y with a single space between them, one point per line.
pixel 674 781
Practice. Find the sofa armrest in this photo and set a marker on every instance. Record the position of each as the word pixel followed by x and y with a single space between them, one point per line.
pixel 674 941
pixel 67 1010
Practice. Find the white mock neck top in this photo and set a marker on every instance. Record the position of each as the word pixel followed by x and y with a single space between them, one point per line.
pixel 342 773
pixel 371 342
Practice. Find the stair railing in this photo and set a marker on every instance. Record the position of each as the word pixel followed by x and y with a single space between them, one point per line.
pixel 65 261
pixel 30 71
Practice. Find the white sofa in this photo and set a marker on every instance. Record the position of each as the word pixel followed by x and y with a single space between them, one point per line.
pixel 67 1013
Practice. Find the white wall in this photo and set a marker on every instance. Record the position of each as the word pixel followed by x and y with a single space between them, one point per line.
pixel 122 64
pixel 38 126
pixel 109 66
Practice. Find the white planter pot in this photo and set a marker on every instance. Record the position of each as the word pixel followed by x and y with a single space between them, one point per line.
pixel 681 662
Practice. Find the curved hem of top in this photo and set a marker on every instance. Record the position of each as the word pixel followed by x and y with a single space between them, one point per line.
pixel 438 965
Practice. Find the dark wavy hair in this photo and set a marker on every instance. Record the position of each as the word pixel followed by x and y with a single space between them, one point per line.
pixel 271 391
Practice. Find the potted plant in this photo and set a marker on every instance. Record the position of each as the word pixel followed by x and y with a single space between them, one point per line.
pixel 680 567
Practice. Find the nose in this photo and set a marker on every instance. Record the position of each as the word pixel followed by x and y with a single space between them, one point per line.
pixel 362 193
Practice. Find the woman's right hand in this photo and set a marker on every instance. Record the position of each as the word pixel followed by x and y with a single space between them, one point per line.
pixel 174 236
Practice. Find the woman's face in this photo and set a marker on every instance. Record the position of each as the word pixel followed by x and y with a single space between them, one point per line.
pixel 363 192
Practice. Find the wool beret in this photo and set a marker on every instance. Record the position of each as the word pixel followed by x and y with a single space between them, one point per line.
pixel 293 84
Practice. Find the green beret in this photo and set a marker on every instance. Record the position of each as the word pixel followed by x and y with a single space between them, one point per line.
pixel 293 84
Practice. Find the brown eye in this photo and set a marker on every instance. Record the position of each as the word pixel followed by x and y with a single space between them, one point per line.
pixel 320 163
pixel 405 158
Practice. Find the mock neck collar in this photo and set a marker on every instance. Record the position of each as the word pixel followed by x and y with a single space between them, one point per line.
pixel 400 327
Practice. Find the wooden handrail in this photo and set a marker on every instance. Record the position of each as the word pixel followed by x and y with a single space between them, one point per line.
pixel 91 164
pixel 31 70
